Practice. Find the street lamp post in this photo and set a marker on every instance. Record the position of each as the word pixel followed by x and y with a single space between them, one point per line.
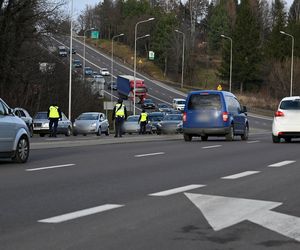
pixel 292 60
pixel 112 63
pixel 182 63
pixel 134 66
pixel 230 68
pixel 84 50
pixel 70 68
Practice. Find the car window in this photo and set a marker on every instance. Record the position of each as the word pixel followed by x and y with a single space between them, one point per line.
pixel 88 117
pixel 233 105
pixel 172 117
pixel 41 115
pixel 180 102
pixel 290 104
pixel 22 113
pixel 2 110
pixel 205 102
pixel 132 118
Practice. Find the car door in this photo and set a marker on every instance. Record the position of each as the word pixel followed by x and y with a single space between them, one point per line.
pixel 7 129
pixel 239 117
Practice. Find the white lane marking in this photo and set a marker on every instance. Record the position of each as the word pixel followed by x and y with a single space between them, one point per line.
pixel 240 175
pixel 249 142
pixel 55 139
pixel 51 167
pixel 151 154
pixel 80 213
pixel 280 164
pixel 177 190
pixel 214 146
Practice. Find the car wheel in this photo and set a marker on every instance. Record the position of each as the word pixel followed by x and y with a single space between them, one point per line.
pixel 75 133
pixel 187 137
pixel 288 140
pixel 204 137
pixel 99 131
pixel 275 139
pixel 69 132
pixel 107 132
pixel 245 136
pixel 42 135
pixel 230 135
pixel 22 150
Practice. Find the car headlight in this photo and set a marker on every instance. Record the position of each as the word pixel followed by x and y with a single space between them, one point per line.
pixel 45 125
pixel 93 124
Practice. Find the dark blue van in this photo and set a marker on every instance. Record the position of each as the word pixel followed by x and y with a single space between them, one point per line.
pixel 214 113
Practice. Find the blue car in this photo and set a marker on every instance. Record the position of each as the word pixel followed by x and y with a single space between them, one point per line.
pixel 214 113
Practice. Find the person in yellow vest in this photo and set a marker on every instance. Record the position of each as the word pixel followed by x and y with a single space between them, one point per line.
pixel 119 116
pixel 143 120
pixel 54 114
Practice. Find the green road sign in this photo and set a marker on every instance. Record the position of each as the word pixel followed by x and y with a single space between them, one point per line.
pixel 151 55
pixel 95 34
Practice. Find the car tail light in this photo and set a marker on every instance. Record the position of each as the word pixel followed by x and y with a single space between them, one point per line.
pixel 279 114
pixel 184 117
pixel 225 116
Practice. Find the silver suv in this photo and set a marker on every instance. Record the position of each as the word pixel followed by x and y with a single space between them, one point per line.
pixel 14 135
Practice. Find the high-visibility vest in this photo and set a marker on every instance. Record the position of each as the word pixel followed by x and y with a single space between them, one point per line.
pixel 120 110
pixel 144 117
pixel 53 112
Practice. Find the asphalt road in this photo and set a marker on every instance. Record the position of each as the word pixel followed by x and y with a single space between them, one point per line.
pixel 108 196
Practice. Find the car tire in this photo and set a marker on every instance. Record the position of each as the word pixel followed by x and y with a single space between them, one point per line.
pixel 107 132
pixel 99 131
pixel 69 132
pixel 42 135
pixel 204 138
pixel 75 133
pixel 22 150
pixel 275 139
pixel 187 137
pixel 230 135
pixel 245 136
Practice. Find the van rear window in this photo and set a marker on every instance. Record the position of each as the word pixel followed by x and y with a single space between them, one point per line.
pixel 205 102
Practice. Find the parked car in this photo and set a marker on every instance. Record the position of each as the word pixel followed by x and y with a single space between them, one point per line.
pixel 148 104
pixel 214 113
pixel 155 118
pixel 286 122
pixel 91 123
pixel 14 135
pixel 169 124
pixel 131 125
pixel 77 63
pixel 178 104
pixel 163 107
pixel 88 71
pixel 41 124
pixel 112 85
pixel 104 72
pixel 25 116
pixel 179 128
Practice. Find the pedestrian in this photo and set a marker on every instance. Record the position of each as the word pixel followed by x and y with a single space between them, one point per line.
pixel 143 120
pixel 54 114
pixel 119 116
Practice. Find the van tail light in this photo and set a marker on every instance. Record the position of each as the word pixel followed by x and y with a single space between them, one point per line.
pixel 225 116
pixel 279 114
pixel 184 117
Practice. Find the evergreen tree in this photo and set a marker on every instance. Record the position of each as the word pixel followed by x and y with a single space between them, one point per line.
pixel 294 25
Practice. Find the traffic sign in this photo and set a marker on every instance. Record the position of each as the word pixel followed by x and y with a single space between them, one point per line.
pixel 219 87
pixel 95 34
pixel 151 55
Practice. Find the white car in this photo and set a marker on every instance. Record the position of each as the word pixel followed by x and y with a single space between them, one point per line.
pixel 286 122
pixel 104 72
pixel 178 104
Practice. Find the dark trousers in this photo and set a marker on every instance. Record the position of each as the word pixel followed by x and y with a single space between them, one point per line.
pixel 143 127
pixel 118 126
pixel 53 126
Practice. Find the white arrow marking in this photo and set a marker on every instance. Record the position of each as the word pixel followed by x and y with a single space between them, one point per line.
pixel 222 212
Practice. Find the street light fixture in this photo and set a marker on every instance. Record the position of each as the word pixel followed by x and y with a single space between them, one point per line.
pixel 230 73
pixel 84 50
pixel 112 63
pixel 134 66
pixel 292 60
pixel 70 68
pixel 182 63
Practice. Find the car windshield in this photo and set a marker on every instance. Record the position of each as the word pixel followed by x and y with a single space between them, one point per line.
pixel 140 90
pixel 173 118
pixel 163 105
pixel 41 115
pixel 148 101
pixel 88 117
pixel 133 118
pixel 290 104
pixel 181 102
pixel 205 102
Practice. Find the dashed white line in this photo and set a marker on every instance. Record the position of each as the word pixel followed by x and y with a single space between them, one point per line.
pixel 151 154
pixel 213 146
pixel 177 190
pixel 80 213
pixel 250 142
pixel 281 164
pixel 50 167
pixel 240 175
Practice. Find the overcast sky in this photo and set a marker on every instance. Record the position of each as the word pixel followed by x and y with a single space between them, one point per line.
pixel 79 5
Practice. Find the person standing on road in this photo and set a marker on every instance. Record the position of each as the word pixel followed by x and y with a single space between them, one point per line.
pixel 119 116
pixel 143 120
pixel 54 114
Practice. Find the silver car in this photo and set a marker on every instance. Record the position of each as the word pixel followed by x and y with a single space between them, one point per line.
pixel 25 116
pixel 14 135
pixel 91 123
pixel 41 124
pixel 131 125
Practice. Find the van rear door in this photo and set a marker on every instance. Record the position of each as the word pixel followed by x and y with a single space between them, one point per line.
pixel 205 110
